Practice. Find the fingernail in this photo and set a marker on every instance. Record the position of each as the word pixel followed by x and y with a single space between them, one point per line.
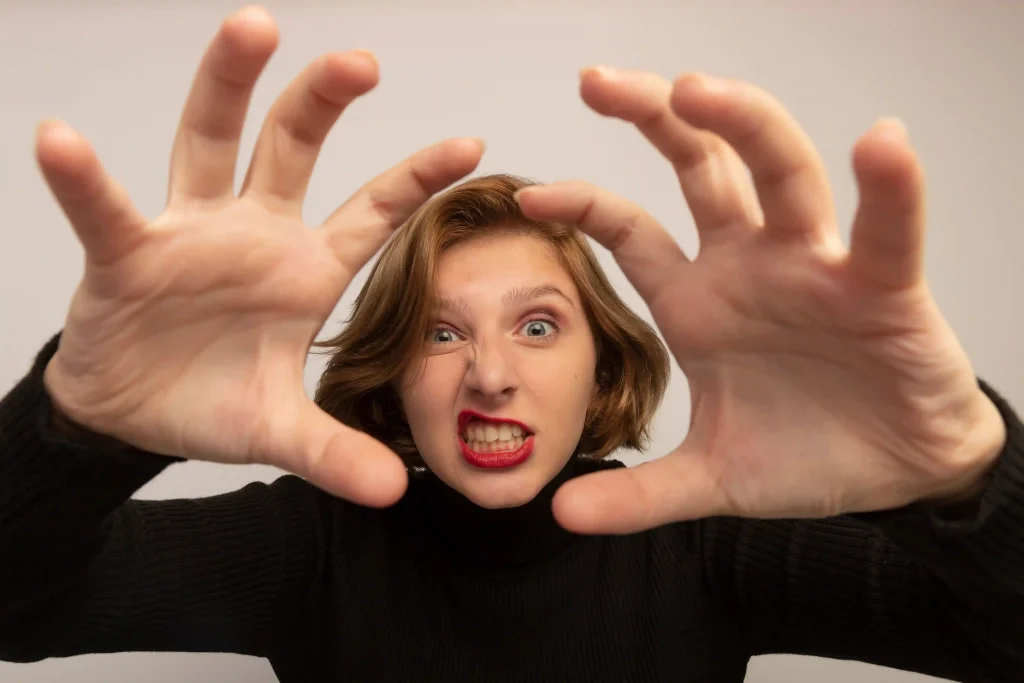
pixel 602 71
pixel 708 82
pixel 54 128
pixel 894 126
pixel 46 125
pixel 481 143
pixel 366 55
pixel 255 13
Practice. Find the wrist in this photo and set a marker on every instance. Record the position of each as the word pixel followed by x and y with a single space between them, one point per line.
pixel 69 428
pixel 983 443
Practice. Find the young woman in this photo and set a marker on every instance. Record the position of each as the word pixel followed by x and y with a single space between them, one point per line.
pixel 847 487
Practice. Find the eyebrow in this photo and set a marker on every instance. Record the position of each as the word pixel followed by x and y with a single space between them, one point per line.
pixel 516 295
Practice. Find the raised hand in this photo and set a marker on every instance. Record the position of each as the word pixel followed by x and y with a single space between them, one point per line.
pixel 823 378
pixel 189 333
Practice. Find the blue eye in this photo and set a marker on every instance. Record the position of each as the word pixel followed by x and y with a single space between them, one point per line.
pixel 443 335
pixel 538 328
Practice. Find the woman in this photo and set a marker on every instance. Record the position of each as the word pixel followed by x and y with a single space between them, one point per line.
pixel 847 487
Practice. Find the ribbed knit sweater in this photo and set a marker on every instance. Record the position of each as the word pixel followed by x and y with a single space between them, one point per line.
pixel 435 588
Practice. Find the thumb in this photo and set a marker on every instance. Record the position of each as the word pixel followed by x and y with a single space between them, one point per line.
pixel 676 487
pixel 338 459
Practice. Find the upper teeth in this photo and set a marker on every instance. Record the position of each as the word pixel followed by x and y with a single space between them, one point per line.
pixel 480 431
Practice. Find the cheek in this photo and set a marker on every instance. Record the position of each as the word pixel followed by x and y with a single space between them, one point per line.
pixel 429 396
pixel 564 387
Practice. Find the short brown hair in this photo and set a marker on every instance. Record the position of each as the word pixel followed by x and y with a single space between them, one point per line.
pixel 391 318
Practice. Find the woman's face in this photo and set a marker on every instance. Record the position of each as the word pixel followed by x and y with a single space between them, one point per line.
pixel 498 404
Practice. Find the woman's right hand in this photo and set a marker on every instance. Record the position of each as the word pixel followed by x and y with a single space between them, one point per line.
pixel 189 333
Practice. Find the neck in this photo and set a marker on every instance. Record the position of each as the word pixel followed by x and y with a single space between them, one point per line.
pixel 506 538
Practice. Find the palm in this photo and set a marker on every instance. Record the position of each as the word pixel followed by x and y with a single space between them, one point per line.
pixel 823 379
pixel 189 334
pixel 769 335
pixel 210 323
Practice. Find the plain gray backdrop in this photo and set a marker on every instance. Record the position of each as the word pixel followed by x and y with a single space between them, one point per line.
pixel 507 71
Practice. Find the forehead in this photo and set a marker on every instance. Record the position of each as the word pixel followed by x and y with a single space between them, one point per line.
pixel 501 261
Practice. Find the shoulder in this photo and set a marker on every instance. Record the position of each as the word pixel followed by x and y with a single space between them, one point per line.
pixel 342 531
pixel 287 501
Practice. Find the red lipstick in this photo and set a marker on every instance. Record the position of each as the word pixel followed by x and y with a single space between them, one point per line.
pixel 498 459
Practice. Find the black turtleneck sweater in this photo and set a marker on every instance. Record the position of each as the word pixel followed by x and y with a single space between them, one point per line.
pixel 437 589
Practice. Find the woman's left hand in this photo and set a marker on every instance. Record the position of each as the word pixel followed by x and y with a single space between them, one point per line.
pixel 823 378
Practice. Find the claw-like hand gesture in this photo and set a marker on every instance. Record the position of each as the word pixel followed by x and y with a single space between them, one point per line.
pixel 823 378
pixel 189 333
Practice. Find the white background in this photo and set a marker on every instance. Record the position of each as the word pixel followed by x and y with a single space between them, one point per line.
pixel 507 71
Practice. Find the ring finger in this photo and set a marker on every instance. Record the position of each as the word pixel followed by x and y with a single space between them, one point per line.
pixel 298 123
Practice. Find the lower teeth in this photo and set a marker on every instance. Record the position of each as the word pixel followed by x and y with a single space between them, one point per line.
pixel 496 446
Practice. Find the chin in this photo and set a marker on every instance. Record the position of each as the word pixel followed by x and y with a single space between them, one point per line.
pixel 495 490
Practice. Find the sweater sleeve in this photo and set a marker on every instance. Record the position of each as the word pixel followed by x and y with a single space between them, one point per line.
pixel 86 569
pixel 912 588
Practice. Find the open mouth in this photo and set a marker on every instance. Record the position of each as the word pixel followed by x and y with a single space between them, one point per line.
pixel 493 442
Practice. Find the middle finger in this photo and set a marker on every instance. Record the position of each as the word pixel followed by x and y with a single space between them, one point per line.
pixel 792 185
pixel 712 177
pixel 205 148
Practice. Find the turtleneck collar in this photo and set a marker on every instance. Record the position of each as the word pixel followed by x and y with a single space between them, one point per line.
pixel 469 535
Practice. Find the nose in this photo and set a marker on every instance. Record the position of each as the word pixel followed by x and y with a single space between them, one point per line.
pixel 491 373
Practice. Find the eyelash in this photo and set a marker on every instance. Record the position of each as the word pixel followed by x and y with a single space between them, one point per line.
pixel 541 319
pixel 441 328
pixel 532 319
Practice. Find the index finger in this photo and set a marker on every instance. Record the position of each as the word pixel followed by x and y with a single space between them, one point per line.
pixel 646 252
pixel 360 226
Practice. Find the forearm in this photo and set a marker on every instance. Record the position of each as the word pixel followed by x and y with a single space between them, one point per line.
pixel 56 495
pixel 53 483
pixel 922 588
pixel 85 569
pixel 974 541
